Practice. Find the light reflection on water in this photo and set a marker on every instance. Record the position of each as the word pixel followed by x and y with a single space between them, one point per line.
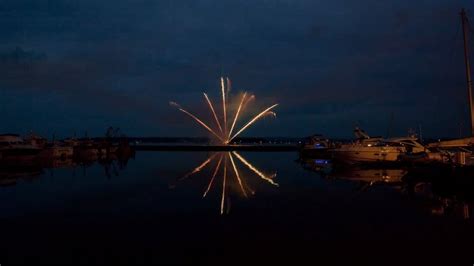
pixel 442 190
pixel 168 206
pixel 227 168
pixel 215 183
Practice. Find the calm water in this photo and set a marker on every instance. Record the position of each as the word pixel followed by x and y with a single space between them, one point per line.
pixel 155 209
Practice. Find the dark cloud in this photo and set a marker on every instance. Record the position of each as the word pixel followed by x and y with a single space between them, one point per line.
pixel 334 62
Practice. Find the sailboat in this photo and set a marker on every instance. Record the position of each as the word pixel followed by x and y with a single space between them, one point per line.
pixel 467 141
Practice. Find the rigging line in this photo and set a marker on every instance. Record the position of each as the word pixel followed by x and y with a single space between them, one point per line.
pixel 453 54
pixel 468 23
pixel 467 20
pixel 456 39
pixel 470 29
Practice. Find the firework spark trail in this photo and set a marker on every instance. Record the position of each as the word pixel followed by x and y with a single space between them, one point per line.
pixel 175 104
pixel 251 190
pixel 252 121
pixel 229 85
pixel 213 177
pixel 224 109
pixel 270 113
pixel 225 135
pixel 228 206
pixel 255 170
pixel 200 122
pixel 213 112
pixel 252 97
pixel 237 175
pixel 223 186
pixel 199 168
pixel 236 115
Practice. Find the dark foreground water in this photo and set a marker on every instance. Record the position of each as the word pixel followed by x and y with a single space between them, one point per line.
pixel 154 209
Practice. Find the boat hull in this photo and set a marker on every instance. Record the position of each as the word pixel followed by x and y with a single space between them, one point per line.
pixel 366 155
pixel 58 152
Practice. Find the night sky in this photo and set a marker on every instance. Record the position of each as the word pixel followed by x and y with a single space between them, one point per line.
pixel 74 66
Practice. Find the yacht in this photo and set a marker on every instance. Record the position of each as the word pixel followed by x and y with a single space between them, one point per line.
pixel 87 150
pixel 12 146
pixel 55 149
pixel 368 149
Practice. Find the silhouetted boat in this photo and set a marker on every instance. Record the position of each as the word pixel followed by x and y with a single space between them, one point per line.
pixel 315 145
pixel 57 150
pixel 13 147
pixel 86 150
pixel 461 149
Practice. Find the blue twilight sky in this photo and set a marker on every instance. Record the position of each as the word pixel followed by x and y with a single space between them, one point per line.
pixel 83 65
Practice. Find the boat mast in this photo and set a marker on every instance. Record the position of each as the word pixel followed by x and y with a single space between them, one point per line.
pixel 465 31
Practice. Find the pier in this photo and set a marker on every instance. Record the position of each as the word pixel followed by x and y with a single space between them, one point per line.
pixel 197 147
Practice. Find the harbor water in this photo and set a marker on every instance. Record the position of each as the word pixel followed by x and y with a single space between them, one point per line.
pixel 229 207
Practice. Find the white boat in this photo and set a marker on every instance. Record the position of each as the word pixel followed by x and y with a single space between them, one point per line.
pixel 36 140
pixel 56 149
pixel 367 149
pixel 12 146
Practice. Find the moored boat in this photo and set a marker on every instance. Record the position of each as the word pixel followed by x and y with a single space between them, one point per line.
pixel 315 145
pixel 13 147
pixel 368 152
pixel 376 150
pixel 57 150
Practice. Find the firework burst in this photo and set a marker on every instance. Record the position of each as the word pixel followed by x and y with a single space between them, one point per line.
pixel 222 130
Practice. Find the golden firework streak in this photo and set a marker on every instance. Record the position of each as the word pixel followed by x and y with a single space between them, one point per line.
pixel 223 186
pixel 213 112
pixel 213 176
pixel 237 175
pixel 225 135
pixel 270 113
pixel 229 85
pixel 252 97
pixel 253 121
pixel 201 123
pixel 199 168
pixel 255 170
pixel 237 115
pixel 224 109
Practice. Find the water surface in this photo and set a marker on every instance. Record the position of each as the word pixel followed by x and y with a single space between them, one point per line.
pixel 154 209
